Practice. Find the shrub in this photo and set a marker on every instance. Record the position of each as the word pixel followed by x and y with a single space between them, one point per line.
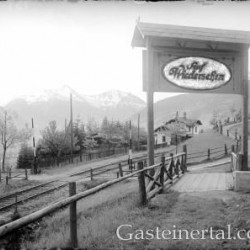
pixel 25 157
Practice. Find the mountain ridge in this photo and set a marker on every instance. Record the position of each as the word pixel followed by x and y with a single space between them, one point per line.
pixel 54 104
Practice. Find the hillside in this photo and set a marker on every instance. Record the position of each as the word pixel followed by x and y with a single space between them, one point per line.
pixel 197 106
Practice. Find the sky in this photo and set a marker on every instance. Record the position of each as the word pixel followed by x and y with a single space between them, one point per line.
pixel 87 45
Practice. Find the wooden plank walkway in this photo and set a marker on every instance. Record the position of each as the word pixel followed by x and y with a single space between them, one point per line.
pixel 206 179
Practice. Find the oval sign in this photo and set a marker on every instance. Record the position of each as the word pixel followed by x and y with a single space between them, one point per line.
pixel 197 73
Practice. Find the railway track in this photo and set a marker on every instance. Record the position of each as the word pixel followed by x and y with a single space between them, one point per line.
pixel 22 197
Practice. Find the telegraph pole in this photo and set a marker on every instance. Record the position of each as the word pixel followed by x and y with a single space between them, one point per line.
pixel 138 138
pixel 130 147
pixel 34 170
pixel 71 127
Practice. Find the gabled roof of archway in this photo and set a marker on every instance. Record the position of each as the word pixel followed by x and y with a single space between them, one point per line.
pixel 164 31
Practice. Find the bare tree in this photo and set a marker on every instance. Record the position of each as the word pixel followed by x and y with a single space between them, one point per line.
pixel 10 135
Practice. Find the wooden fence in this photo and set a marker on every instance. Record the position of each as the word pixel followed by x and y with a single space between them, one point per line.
pixel 212 153
pixel 151 180
pixel 9 174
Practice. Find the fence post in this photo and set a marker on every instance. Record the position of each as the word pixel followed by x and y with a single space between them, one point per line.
pixel 130 165
pixel 9 172
pixel 235 135
pixel 232 148
pixel 15 202
pixel 171 166
pixel 227 132
pixel 0 174
pixel 162 173
pixel 225 149
pixel 240 155
pixel 142 187
pixel 120 170
pixel 73 216
pixel 7 180
pixel 185 158
pixel 237 146
pixel 208 154
pixel 26 174
pixel 91 174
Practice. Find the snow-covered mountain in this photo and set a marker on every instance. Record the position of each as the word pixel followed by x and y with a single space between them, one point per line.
pixel 114 98
pixel 54 104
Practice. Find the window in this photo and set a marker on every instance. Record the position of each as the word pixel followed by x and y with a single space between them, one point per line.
pixel 163 138
pixel 195 129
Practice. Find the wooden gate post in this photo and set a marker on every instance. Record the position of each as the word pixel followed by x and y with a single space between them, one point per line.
pixel 73 217
pixel 162 173
pixel 142 187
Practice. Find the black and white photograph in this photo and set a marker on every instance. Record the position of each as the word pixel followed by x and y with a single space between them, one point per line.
pixel 124 125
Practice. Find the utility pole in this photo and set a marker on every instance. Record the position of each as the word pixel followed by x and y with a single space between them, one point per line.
pixel 138 139
pixel 34 170
pixel 4 142
pixel 130 147
pixel 71 126
pixel 65 126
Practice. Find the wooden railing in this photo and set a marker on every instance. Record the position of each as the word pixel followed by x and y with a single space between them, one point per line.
pixel 152 181
pixel 158 176
pixel 212 153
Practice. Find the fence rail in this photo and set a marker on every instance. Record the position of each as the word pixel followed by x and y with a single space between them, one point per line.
pixel 158 175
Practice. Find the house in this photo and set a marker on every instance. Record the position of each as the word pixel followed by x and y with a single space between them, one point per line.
pixel 184 125
pixel 162 135
pixel 177 129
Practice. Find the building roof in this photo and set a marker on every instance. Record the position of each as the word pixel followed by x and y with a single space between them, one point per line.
pixel 144 30
pixel 162 128
pixel 187 121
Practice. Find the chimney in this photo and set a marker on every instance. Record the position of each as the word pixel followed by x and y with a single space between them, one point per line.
pixel 177 115
pixel 185 115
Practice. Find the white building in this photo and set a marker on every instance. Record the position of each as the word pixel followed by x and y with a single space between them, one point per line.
pixel 162 135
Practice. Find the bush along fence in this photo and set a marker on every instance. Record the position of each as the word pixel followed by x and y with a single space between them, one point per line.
pixel 152 180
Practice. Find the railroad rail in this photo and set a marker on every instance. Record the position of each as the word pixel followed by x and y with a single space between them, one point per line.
pixel 21 197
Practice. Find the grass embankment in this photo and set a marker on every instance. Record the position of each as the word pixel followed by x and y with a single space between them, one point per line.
pixel 54 230
pixel 194 211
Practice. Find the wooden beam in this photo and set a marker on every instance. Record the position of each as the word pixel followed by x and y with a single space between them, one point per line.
pixel 150 105
pixel 245 110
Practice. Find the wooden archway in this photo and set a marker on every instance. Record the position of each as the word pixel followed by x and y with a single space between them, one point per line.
pixel 193 60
